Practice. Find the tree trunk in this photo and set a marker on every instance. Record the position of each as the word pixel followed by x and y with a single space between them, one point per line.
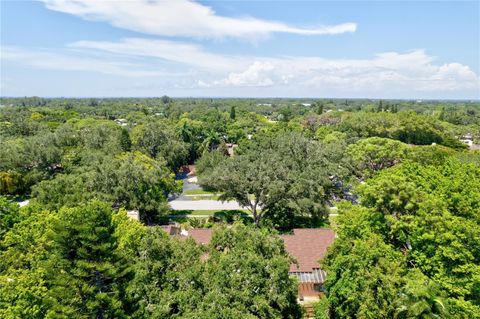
pixel 256 215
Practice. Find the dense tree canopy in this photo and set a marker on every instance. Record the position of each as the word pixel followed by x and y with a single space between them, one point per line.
pixel 241 274
pixel 376 153
pixel 92 262
pixel 407 242
pixel 428 217
pixel 159 140
pixel 287 178
pixel 64 265
pixel 130 180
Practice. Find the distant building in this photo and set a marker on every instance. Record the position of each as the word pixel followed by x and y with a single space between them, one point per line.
pixel 133 214
pixel 121 122
pixel 307 246
pixel 231 149
pixel 467 139
pixel 188 170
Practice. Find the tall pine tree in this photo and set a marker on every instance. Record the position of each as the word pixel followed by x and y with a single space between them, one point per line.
pixel 88 270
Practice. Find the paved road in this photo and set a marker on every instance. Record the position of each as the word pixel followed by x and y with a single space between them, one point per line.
pixel 179 204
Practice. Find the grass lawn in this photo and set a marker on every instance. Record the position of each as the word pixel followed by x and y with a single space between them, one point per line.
pixel 205 212
pixel 229 216
pixel 198 192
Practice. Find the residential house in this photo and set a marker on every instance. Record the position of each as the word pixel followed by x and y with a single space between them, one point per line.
pixel 307 246
pixel 467 139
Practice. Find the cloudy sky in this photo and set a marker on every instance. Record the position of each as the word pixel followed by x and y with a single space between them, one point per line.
pixel 377 49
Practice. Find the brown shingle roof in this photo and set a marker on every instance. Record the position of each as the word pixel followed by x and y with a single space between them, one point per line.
pixel 308 246
pixel 201 235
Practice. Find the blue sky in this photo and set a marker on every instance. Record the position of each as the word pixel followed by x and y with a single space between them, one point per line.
pixel 375 49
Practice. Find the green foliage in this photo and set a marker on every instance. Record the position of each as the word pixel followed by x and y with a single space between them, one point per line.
pixel 322 309
pixel 285 114
pixel 23 271
pixel 130 180
pixel 161 265
pixel 233 113
pixel 165 99
pixel 159 140
pixel 94 134
pixel 431 154
pixel 407 127
pixel 63 190
pixel 71 264
pixel 427 216
pixel 209 161
pixel 9 216
pixel 363 278
pixel 136 181
pixel 318 105
pixel 242 274
pixel 193 133
pixel 11 183
pixel 26 161
pixel 90 269
pixel 401 189
pixel 288 177
pixel 420 298
pixel 376 153
pixel 125 141
pixel 408 250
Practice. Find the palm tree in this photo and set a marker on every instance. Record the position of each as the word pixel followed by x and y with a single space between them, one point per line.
pixel 211 141
pixel 420 298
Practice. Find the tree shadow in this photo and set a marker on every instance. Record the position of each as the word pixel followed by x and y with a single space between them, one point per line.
pixel 229 216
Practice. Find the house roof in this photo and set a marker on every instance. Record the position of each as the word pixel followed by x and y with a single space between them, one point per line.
pixel 201 235
pixel 171 229
pixel 308 246
pixel 317 276
pixel 189 170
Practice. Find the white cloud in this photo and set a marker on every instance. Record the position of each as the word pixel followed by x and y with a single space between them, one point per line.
pixel 174 51
pixel 71 61
pixel 413 71
pixel 181 18
pixel 256 74
pixel 408 74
